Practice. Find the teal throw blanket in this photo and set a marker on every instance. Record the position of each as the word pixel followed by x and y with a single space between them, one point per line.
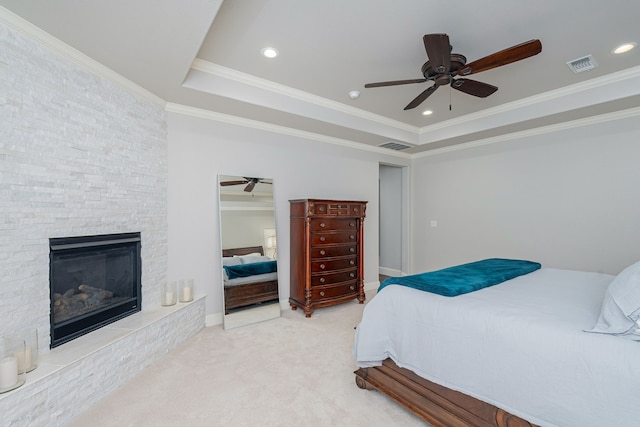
pixel 251 269
pixel 465 278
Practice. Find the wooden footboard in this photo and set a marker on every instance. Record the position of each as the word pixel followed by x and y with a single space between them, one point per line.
pixel 436 404
pixel 248 294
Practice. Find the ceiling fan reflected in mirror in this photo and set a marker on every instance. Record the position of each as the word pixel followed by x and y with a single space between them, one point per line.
pixel 250 183
pixel 445 68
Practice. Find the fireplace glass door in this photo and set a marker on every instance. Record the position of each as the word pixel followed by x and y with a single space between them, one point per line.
pixel 94 280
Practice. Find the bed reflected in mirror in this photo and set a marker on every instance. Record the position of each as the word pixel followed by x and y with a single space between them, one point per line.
pixel 249 250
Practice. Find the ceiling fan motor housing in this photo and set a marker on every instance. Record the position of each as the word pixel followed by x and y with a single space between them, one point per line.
pixel 457 61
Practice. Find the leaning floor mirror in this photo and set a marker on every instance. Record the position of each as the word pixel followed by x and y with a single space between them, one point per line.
pixel 249 250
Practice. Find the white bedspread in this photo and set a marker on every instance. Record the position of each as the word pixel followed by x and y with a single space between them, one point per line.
pixel 519 345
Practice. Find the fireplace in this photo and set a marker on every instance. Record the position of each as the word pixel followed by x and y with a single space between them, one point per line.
pixel 93 281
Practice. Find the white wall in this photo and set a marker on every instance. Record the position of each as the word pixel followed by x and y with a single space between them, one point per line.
pixel 568 199
pixel 200 149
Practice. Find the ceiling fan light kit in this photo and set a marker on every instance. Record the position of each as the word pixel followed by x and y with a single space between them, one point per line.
pixel 444 68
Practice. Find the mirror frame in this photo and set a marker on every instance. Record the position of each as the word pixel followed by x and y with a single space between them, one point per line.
pixel 234 197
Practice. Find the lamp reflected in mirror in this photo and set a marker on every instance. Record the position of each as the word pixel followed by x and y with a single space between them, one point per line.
pixel 271 245
pixel 248 241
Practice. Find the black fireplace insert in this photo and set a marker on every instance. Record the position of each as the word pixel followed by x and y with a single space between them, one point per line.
pixel 93 281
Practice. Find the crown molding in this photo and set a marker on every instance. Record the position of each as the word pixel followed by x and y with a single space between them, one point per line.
pixel 574 89
pixel 57 46
pixel 250 80
pixel 269 127
pixel 602 118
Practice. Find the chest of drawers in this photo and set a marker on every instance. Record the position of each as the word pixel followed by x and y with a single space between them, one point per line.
pixel 327 259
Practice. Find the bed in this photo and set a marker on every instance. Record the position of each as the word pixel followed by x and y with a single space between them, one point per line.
pixel 257 283
pixel 513 354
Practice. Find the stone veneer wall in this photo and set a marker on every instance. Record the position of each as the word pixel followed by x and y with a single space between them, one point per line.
pixel 79 155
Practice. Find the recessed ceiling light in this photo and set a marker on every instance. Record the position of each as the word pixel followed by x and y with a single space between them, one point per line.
pixel 624 47
pixel 427 112
pixel 354 94
pixel 270 52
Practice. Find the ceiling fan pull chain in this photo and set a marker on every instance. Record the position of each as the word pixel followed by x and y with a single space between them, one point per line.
pixel 449 97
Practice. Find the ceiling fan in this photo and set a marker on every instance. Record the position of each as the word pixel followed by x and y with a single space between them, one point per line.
pixel 443 67
pixel 251 183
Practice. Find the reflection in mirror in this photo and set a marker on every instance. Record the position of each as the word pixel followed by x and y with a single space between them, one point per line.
pixel 249 250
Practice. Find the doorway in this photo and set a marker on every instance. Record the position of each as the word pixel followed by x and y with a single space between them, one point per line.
pixel 393 220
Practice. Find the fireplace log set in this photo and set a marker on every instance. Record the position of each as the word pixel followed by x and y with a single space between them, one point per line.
pixel 86 299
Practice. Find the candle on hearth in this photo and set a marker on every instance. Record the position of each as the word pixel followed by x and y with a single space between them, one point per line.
pixel 24 359
pixel 168 298
pixel 186 290
pixel 8 372
pixel 169 293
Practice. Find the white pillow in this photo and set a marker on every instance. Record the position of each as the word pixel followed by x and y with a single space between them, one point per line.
pixel 620 312
pixel 248 259
pixel 251 254
pixel 229 260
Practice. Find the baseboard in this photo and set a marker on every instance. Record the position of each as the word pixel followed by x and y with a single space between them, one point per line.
pixel 390 272
pixel 213 319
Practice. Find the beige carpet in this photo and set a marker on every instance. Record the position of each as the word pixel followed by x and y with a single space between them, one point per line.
pixel 290 371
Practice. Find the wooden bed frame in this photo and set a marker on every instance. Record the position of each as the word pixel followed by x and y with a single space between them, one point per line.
pixel 434 403
pixel 251 293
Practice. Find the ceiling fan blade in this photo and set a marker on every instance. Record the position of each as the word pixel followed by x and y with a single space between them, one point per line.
pixel 226 183
pixel 396 82
pixel 439 52
pixel 422 97
pixel 473 87
pixel 504 57
pixel 250 186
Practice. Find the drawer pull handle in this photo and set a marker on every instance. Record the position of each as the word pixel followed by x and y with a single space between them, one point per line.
pixel 322 239
pixel 322 224
pixel 352 275
pixel 321 209
pixel 352 237
pixel 352 250
pixel 322 280
pixel 322 266
pixel 352 262
pixel 322 252
pixel 353 288
pixel 356 209
pixel 321 293
pixel 352 224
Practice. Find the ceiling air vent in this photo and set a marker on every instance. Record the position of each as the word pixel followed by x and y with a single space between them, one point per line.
pixel 582 64
pixel 392 145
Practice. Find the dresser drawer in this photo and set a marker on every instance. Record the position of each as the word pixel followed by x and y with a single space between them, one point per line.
pixel 318 208
pixel 334 264
pixel 338 209
pixel 331 251
pixel 321 292
pixel 329 278
pixel 356 209
pixel 325 224
pixel 337 237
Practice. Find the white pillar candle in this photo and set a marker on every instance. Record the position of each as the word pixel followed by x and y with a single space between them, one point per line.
pixel 8 372
pixel 168 298
pixel 24 359
pixel 186 293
